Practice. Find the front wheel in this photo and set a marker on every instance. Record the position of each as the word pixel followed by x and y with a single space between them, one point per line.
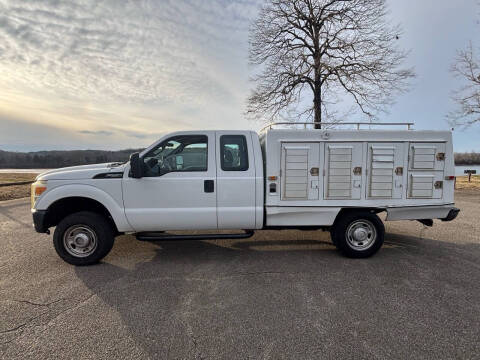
pixel 83 238
pixel 358 234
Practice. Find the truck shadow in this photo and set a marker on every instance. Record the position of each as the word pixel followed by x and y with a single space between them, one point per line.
pixel 204 299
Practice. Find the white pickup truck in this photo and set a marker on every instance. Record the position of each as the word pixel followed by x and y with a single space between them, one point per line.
pixel 333 180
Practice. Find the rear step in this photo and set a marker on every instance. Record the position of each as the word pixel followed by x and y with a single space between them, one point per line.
pixel 161 236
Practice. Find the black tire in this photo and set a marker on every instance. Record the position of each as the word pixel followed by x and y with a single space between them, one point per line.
pixel 368 224
pixel 95 226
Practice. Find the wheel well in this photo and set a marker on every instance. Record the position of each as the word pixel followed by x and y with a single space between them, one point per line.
pixel 344 211
pixel 67 206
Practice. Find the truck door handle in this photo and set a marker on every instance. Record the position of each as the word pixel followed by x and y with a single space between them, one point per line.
pixel 208 186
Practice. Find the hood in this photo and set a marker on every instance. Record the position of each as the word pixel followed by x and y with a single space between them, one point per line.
pixel 81 172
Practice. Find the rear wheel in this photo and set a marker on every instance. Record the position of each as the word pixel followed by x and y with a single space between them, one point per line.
pixel 83 238
pixel 358 234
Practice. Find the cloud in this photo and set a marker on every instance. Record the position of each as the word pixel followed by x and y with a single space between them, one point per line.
pixel 20 134
pixel 123 132
pixel 99 132
pixel 118 73
pixel 140 52
pixel 139 135
pixel 124 69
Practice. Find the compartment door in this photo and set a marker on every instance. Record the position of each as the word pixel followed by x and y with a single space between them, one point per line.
pixel 385 170
pixel 343 170
pixel 300 171
pixel 426 164
pixel 425 185
pixel 426 156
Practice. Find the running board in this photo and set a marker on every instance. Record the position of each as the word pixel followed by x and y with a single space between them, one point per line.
pixel 160 236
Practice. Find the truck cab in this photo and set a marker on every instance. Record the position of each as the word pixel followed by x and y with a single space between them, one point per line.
pixel 197 181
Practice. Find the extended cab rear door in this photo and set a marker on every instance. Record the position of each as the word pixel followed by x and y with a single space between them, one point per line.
pixel 235 180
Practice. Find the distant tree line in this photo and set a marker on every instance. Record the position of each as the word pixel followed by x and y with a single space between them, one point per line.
pixel 56 159
pixel 470 158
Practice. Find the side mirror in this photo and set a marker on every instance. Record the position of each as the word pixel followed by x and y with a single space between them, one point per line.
pixel 136 166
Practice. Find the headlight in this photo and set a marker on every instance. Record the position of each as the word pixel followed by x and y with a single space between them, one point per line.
pixel 38 188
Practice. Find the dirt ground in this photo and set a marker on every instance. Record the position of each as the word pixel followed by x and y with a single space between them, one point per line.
pixel 15 191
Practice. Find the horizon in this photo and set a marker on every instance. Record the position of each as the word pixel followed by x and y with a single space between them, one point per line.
pixel 142 148
pixel 83 75
pixel 128 149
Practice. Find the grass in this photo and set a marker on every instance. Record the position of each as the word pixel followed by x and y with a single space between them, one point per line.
pixel 15 191
pixel 462 182
pixel 16 177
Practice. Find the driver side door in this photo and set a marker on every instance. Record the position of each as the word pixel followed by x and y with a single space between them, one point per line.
pixel 178 191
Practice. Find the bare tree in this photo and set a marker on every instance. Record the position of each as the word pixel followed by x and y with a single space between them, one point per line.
pixel 321 50
pixel 467 97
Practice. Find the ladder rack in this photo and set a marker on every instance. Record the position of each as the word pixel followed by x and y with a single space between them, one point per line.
pixel 358 124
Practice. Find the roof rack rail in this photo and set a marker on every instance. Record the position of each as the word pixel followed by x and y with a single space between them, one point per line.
pixel 358 124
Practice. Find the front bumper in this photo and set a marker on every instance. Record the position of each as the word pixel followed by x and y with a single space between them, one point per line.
pixel 39 220
pixel 452 215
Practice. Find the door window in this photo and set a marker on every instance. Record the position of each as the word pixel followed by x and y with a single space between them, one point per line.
pixel 178 154
pixel 233 153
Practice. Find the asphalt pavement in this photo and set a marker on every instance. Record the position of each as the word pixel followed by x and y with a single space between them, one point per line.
pixel 278 295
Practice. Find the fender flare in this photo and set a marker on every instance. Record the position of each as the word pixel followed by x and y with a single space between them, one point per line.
pixel 90 192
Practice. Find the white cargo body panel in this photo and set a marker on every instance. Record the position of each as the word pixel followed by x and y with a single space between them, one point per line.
pixel 391 169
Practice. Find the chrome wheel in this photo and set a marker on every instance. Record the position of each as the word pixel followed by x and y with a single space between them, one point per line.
pixel 361 234
pixel 80 240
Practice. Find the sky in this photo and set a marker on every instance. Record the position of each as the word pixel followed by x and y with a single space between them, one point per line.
pixel 90 74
